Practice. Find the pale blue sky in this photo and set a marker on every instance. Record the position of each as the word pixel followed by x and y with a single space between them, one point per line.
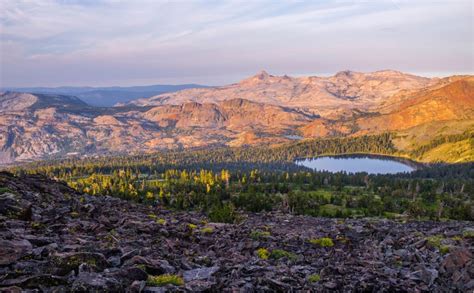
pixel 54 43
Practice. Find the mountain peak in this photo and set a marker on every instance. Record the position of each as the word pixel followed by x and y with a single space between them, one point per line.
pixel 262 74
pixel 345 73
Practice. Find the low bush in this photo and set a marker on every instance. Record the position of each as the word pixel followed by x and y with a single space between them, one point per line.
pixel 323 242
pixel 263 253
pixel 224 213
pixel 280 253
pixel 163 280
pixel 314 278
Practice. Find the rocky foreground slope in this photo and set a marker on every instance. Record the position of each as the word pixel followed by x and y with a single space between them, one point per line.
pixel 55 240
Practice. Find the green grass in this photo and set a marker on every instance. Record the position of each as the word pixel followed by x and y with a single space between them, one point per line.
pixel 163 280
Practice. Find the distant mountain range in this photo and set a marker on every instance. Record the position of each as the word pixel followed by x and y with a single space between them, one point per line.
pixel 262 109
pixel 107 96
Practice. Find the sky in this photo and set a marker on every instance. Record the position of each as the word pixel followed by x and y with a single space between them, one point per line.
pixel 142 42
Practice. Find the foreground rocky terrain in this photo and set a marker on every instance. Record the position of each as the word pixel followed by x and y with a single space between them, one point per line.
pixel 53 239
pixel 262 109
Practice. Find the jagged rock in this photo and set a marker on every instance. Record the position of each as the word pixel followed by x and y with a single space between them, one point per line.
pixel 14 207
pixel 114 261
pixel 153 266
pixel 12 289
pixel 155 290
pixel 136 287
pixel 66 262
pixel 428 276
pixel 199 274
pixel 36 282
pixel 11 251
pixel 130 275
pixel 457 260
pixel 88 282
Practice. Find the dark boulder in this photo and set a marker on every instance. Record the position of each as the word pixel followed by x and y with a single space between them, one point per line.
pixel 14 206
pixel 11 251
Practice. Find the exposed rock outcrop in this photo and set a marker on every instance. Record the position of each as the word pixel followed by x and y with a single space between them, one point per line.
pixel 262 109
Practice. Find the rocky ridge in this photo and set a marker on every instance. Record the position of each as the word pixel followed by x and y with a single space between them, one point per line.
pixel 262 109
pixel 56 240
pixel 321 94
pixel 43 126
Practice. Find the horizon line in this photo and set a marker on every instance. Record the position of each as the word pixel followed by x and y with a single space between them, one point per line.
pixel 426 74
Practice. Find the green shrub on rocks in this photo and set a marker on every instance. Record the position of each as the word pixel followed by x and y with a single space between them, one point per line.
pixel 223 213
pixel 5 190
pixel 161 221
pixel 314 278
pixel 163 280
pixel 263 253
pixel 256 235
pixel 323 242
pixel 444 249
pixel 435 241
pixel 207 230
pixel 468 234
pixel 280 253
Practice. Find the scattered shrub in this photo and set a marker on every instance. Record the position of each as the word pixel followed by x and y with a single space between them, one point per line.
pixel 314 278
pixel 166 279
pixel 36 225
pixel 435 241
pixel 280 253
pixel 255 235
pixel 323 242
pixel 223 213
pixel 263 253
pixel 444 249
pixel 457 238
pixel 5 190
pixel 207 230
pixel 192 226
pixel 468 234
pixel 161 221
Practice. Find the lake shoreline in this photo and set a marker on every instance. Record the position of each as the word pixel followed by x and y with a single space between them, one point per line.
pixel 405 161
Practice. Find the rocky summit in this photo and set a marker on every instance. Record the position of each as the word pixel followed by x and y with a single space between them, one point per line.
pixel 56 240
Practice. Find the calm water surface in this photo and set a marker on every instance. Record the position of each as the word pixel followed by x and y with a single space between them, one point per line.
pixel 371 165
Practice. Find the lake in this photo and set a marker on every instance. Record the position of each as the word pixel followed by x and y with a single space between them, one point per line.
pixel 353 164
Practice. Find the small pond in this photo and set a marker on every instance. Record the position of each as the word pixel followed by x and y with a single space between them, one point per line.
pixel 358 163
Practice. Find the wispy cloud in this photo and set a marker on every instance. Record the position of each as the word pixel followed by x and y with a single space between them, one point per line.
pixel 122 42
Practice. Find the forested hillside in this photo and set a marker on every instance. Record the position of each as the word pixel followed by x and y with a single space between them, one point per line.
pixel 223 180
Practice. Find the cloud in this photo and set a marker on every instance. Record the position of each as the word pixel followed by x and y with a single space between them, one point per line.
pixel 123 42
